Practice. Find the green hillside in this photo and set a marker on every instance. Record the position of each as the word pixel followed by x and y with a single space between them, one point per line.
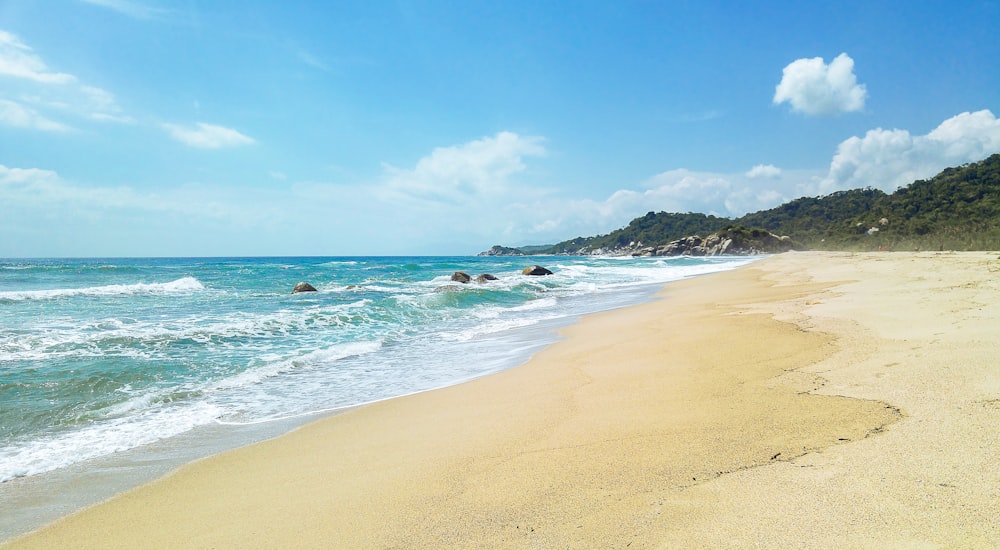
pixel 958 209
pixel 651 229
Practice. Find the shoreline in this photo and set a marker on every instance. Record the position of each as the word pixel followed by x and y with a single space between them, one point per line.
pixel 765 406
pixel 39 500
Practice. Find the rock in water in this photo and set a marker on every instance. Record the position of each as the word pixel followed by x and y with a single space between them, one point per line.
pixel 535 270
pixel 485 278
pixel 460 277
pixel 303 287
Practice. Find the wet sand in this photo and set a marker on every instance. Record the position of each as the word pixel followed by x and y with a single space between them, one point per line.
pixel 808 400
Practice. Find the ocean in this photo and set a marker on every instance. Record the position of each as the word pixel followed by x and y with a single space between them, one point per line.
pixel 114 371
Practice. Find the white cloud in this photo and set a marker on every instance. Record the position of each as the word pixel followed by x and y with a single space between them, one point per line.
pixel 888 159
pixel 463 172
pixel 722 194
pixel 17 115
pixel 100 105
pixel 553 219
pixel 207 136
pixel 46 215
pixel 815 88
pixel 10 177
pixel 885 159
pixel 34 83
pixel 31 191
pixel 19 61
pixel 767 171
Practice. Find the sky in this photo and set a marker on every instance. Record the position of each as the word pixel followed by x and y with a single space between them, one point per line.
pixel 253 128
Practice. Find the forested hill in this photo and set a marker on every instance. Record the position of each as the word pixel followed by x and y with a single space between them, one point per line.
pixel 958 209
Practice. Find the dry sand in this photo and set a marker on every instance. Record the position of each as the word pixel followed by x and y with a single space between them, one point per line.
pixel 810 400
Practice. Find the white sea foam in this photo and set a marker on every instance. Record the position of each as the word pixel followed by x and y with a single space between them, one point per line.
pixel 140 339
pixel 233 360
pixel 273 368
pixel 50 452
pixel 151 415
pixel 182 285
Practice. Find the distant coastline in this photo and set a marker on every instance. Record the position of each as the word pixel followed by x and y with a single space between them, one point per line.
pixel 957 209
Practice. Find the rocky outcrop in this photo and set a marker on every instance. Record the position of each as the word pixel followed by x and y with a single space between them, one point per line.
pixel 498 250
pixel 485 278
pixel 535 270
pixel 461 277
pixel 303 287
pixel 733 241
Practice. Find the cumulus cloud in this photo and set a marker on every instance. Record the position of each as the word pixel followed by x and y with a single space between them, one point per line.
pixel 17 115
pixel 884 159
pixel 725 194
pixel 550 219
pixel 815 88
pixel 768 171
pixel 462 172
pixel 207 136
pixel 889 159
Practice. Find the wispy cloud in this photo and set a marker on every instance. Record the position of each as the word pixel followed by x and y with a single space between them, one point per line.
pixel 17 115
pixel 309 59
pixel 815 88
pixel 704 116
pixel 19 61
pixel 33 189
pixel 49 93
pixel 207 136
pixel 131 8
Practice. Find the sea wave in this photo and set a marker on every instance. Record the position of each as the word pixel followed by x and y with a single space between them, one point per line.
pixel 182 285
pixel 152 415
pixel 146 339
pixel 240 350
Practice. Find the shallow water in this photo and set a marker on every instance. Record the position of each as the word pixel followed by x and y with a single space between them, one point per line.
pixel 113 371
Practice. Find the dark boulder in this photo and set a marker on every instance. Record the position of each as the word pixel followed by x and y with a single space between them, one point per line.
pixel 535 270
pixel 460 277
pixel 485 278
pixel 303 287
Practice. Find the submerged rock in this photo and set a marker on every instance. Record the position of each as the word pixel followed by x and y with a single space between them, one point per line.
pixel 535 270
pixel 460 277
pixel 303 287
pixel 485 278
pixel 448 288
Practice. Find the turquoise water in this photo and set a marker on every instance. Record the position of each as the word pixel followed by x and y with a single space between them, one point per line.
pixel 104 356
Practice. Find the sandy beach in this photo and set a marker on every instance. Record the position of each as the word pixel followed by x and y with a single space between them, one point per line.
pixel 808 400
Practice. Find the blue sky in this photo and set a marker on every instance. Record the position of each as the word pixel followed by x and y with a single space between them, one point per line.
pixel 155 128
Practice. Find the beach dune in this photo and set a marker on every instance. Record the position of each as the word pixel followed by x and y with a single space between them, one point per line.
pixel 806 400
